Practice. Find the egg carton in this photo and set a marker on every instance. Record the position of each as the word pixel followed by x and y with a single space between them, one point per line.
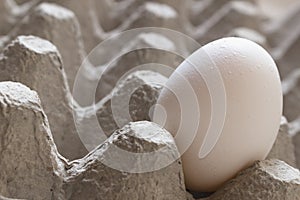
pixel 75 30
pixel 30 141
pixel 40 172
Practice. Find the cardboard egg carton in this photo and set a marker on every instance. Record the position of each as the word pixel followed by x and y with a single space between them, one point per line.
pixel 36 159
pixel 40 172
pixel 73 29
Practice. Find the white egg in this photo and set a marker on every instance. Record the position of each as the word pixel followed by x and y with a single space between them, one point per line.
pixel 223 105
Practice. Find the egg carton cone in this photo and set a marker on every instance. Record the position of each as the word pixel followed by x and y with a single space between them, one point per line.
pixel 268 179
pixel 58 25
pixel 130 101
pixel 37 63
pixel 148 47
pixel 31 144
pixel 86 15
pixel 232 15
pixel 143 95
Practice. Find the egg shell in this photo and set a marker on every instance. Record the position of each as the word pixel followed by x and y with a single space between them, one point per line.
pixel 223 105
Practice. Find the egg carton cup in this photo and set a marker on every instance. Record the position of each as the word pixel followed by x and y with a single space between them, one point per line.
pixel 48 61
